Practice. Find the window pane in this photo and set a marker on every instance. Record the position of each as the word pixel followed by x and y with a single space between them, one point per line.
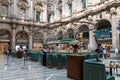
pixel 70 8
pixel 4 10
pixel 37 16
pixel 83 3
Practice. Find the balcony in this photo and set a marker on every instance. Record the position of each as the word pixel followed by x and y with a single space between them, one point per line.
pixel 94 9
pixel 12 20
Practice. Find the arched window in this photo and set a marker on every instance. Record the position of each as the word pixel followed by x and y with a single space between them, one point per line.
pixel 103 32
pixel 37 16
pixel 84 31
pixel 4 7
pixel 70 8
pixel 23 8
pixel 83 4
pixel 5 33
pixel 70 33
pixel 22 34
pixel 38 11
pixel 22 38
pixel 60 35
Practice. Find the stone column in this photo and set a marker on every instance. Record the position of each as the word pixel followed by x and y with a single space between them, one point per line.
pixel 114 23
pixel 45 14
pixel 30 41
pixel 92 41
pixel 30 38
pixel 13 36
pixel 115 34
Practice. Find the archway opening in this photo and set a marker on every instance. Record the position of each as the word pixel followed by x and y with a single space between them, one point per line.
pixel 70 33
pixel 38 40
pixel 60 35
pixel 103 34
pixel 22 40
pixel 83 36
pixel 5 40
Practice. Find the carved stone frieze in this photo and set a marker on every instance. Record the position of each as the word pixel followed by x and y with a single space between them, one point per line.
pixel 38 8
pixel 6 2
pixel 113 10
pixel 23 4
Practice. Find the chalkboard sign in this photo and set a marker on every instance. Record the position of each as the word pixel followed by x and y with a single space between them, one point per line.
pixel 102 33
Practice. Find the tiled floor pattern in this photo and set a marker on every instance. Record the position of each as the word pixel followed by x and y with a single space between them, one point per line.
pixel 32 70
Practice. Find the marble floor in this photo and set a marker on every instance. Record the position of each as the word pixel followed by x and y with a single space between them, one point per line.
pixel 15 69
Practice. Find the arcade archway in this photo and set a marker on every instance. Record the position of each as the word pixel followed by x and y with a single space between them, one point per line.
pixel 103 33
pixel 70 33
pixel 83 36
pixel 5 40
pixel 60 35
pixel 38 40
pixel 22 40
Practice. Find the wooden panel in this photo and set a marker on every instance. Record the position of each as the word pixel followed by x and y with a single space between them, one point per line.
pixel 75 66
pixel 3 47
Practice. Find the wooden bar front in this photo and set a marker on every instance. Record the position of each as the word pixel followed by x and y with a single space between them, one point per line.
pixel 75 66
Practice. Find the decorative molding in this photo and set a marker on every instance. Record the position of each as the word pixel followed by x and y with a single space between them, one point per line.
pixel 38 8
pixel 6 2
pixel 23 4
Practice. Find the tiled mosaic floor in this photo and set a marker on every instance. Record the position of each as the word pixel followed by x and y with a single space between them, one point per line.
pixel 32 71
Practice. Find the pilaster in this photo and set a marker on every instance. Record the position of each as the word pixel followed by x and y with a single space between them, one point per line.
pixel 13 36
pixel 92 41
pixel 30 38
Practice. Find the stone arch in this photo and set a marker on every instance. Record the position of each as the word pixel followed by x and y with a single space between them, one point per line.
pixel 4 7
pixel 38 6
pixel 22 34
pixel 38 37
pixel 23 4
pixel 103 31
pixel 5 40
pixel 38 10
pixel 5 33
pixel 70 33
pixel 22 39
pixel 6 2
pixel 60 35
pixel 83 35
pixel 59 2
pixel 102 24
pixel 118 11
pixel 84 30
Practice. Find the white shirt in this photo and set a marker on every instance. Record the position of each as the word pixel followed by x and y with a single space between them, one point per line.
pixel 116 50
pixel 104 51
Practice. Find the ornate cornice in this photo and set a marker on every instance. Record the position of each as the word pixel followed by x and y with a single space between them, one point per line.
pixel 6 2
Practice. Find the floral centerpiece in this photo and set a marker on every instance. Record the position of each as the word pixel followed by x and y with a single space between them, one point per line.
pixel 75 45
